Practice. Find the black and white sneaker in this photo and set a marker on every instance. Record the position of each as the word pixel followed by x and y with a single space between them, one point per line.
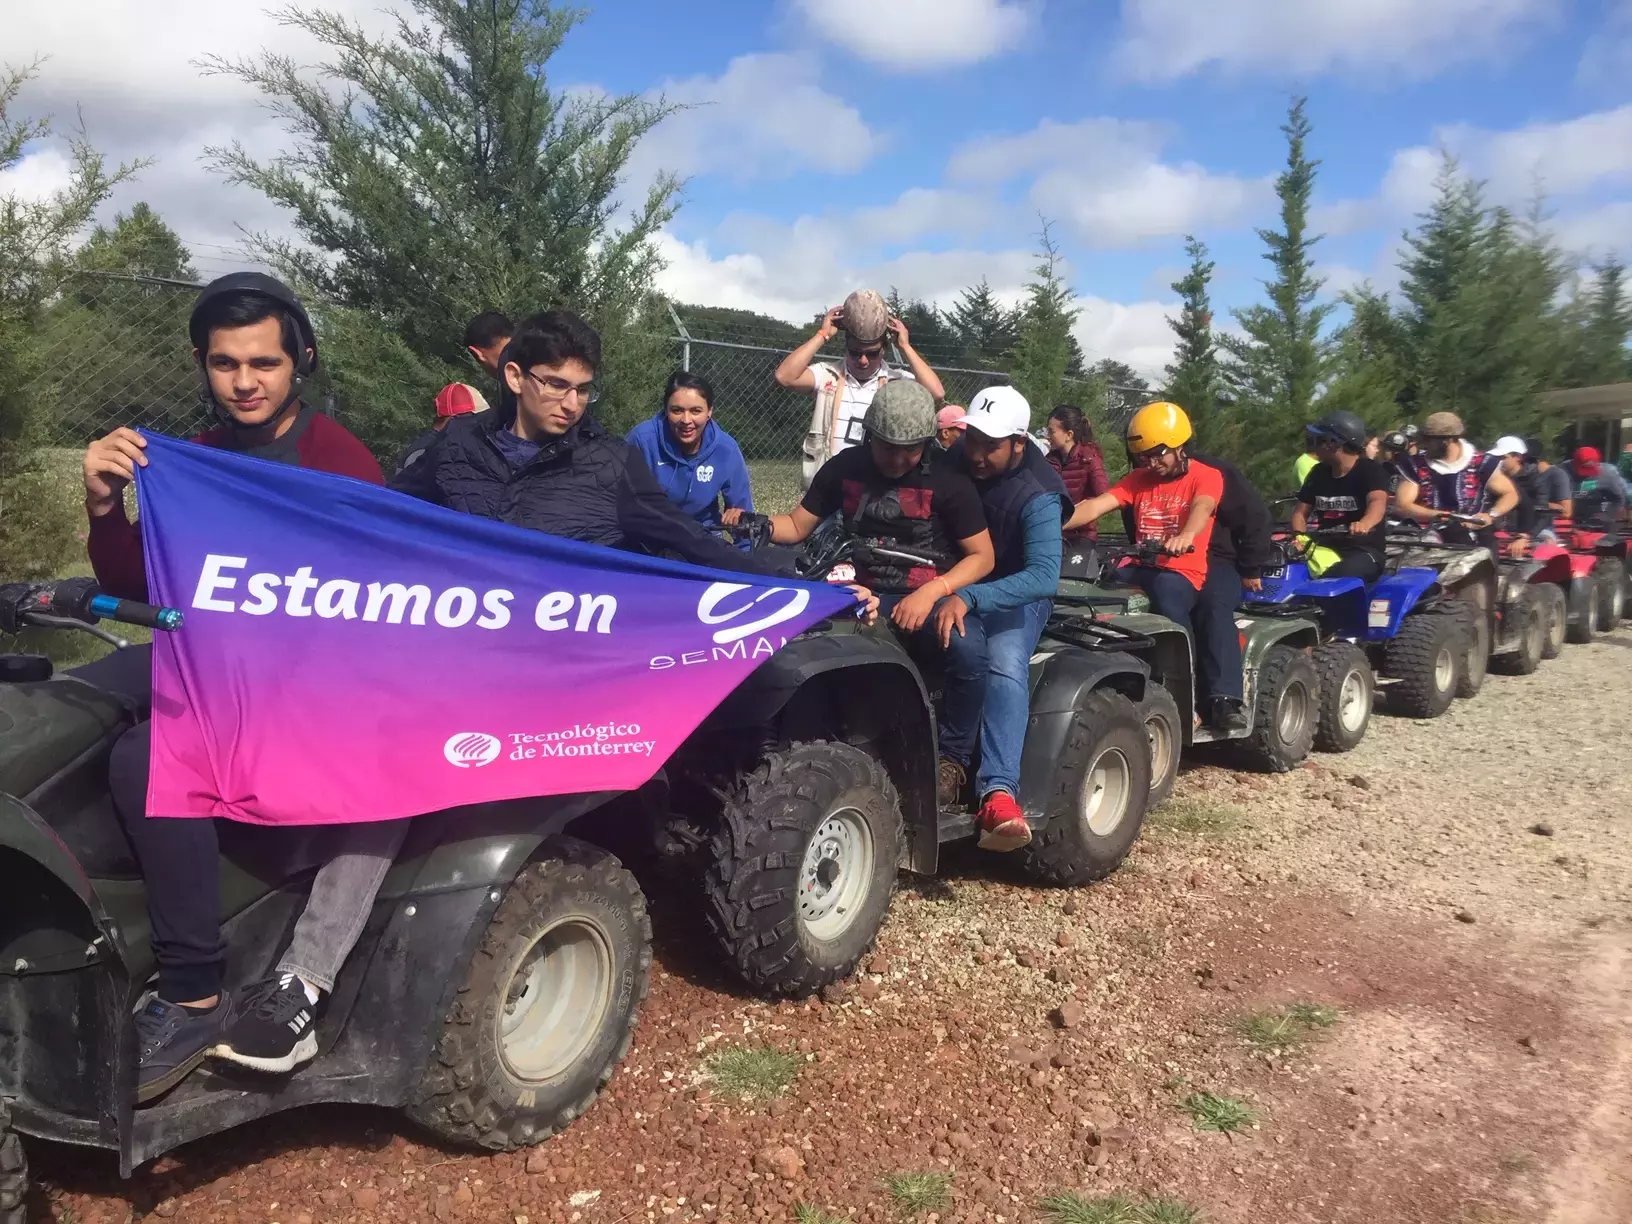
pixel 276 1028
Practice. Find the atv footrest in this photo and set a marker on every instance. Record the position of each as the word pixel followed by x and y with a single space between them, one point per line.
pixel 959 824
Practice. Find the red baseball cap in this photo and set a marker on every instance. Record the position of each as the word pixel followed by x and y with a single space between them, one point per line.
pixel 1587 459
pixel 456 399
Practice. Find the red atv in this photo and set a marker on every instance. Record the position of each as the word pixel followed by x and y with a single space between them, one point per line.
pixel 1582 582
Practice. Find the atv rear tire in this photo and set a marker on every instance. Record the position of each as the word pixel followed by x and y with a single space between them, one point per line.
pixel 1166 735
pixel 1346 688
pixel 547 1007
pixel 1100 795
pixel 1426 658
pixel 1476 658
pixel 1531 607
pixel 13 1173
pixel 801 869
pixel 1582 619
pixel 1555 611
pixel 1285 713
pixel 1611 576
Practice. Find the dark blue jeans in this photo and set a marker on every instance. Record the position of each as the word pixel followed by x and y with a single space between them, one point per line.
pixel 1218 645
pixel 1011 640
pixel 967 667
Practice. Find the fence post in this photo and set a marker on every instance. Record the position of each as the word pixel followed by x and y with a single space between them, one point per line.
pixel 685 339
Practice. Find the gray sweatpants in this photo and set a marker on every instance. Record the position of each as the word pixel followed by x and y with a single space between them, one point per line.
pixel 342 898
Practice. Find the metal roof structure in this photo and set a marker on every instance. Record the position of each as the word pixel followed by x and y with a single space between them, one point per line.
pixel 1606 402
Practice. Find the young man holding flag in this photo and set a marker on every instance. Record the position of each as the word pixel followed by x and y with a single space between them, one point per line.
pixel 256 350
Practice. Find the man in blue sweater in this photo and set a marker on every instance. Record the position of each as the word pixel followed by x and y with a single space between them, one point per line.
pixel 1024 504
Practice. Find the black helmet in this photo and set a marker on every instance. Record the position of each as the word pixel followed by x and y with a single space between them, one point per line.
pixel 262 285
pixel 1410 432
pixel 1344 427
pixel 1394 442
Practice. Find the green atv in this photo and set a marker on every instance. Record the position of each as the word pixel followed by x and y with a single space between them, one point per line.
pixel 1280 682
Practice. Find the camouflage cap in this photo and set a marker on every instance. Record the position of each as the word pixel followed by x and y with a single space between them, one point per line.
pixel 866 318
pixel 902 414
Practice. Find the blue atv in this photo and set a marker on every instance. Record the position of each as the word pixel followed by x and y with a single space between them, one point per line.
pixel 1396 626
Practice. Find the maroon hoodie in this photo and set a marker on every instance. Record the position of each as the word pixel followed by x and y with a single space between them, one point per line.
pixel 313 441
pixel 1083 472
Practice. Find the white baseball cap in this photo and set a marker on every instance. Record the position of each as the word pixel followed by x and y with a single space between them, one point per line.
pixel 1510 445
pixel 999 412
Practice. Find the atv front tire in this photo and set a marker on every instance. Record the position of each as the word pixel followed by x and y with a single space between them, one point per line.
pixel 1611 576
pixel 13 1173
pixel 1426 656
pixel 1346 688
pixel 1476 658
pixel 801 869
pixel 1582 626
pixel 1165 733
pixel 1554 609
pixel 1531 608
pixel 1285 712
pixel 547 1007
pixel 1100 795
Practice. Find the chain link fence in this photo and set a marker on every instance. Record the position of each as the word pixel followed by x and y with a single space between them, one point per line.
pixel 116 353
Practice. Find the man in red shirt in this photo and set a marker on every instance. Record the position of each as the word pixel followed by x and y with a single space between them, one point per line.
pixel 1174 499
pixel 256 350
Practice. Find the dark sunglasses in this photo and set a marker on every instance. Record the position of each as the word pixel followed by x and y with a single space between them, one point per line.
pixel 1145 458
pixel 875 351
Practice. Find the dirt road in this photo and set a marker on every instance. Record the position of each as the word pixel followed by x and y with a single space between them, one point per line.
pixel 1397 985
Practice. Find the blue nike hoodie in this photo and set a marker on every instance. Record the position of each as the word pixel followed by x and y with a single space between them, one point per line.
pixel 695 482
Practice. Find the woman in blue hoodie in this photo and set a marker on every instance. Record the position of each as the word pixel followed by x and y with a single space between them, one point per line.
pixel 697 463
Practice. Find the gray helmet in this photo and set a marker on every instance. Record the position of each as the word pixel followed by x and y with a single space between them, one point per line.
pixel 902 414
pixel 1348 429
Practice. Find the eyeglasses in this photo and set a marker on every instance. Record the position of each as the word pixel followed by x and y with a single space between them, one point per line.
pixel 560 388
pixel 1146 458
pixel 869 353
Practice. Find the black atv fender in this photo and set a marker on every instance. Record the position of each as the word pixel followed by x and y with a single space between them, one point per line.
pixel 860 687
pixel 1069 676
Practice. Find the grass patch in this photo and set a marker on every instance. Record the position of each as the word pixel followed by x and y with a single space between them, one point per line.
pixel 1211 1112
pixel 1280 1029
pixel 752 1074
pixel 916 1193
pixel 1197 817
pixel 777 484
pixel 804 1213
pixel 1071 1208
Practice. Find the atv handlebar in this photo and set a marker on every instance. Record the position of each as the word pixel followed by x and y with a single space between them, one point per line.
pixel 75 603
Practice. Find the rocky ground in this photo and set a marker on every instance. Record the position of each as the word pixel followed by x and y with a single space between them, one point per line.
pixel 1389 986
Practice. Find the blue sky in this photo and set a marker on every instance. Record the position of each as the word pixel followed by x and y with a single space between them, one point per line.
pixel 832 143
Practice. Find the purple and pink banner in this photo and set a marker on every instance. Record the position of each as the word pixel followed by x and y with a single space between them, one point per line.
pixel 350 653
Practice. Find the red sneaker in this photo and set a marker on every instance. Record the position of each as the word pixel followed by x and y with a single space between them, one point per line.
pixel 1002 825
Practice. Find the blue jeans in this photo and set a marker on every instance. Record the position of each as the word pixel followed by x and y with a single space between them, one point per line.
pixel 966 670
pixel 1218 646
pixel 1011 640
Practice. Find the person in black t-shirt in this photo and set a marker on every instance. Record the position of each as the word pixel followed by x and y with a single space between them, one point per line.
pixel 1345 490
pixel 890 494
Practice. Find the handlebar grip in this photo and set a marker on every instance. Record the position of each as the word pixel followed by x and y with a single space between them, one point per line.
pixel 130 612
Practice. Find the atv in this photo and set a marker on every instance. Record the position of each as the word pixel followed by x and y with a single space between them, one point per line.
pixel 490 997
pixel 800 797
pixel 1601 542
pixel 1503 619
pixel 1280 681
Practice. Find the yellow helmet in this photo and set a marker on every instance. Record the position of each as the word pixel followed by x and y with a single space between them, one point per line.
pixel 1158 424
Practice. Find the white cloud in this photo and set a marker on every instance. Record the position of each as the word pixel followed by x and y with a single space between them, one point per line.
pixel 1137 334
pixel 1606 60
pixel 1105 179
pixel 919 35
pixel 128 70
pixel 764 117
pixel 921 212
pixel 1167 39
pixel 1597 232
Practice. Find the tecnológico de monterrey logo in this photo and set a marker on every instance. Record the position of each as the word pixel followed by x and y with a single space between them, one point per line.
pixel 471 748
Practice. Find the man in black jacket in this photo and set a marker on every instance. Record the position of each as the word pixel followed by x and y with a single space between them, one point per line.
pixel 1241 547
pixel 539 461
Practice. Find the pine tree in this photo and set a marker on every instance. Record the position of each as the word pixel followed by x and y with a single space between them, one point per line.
pixel 1193 379
pixel 445 177
pixel 138 243
pixel 1277 367
pixel 1605 327
pixel 1043 352
pixel 985 331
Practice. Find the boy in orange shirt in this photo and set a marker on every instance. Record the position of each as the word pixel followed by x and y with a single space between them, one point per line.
pixel 1173 499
